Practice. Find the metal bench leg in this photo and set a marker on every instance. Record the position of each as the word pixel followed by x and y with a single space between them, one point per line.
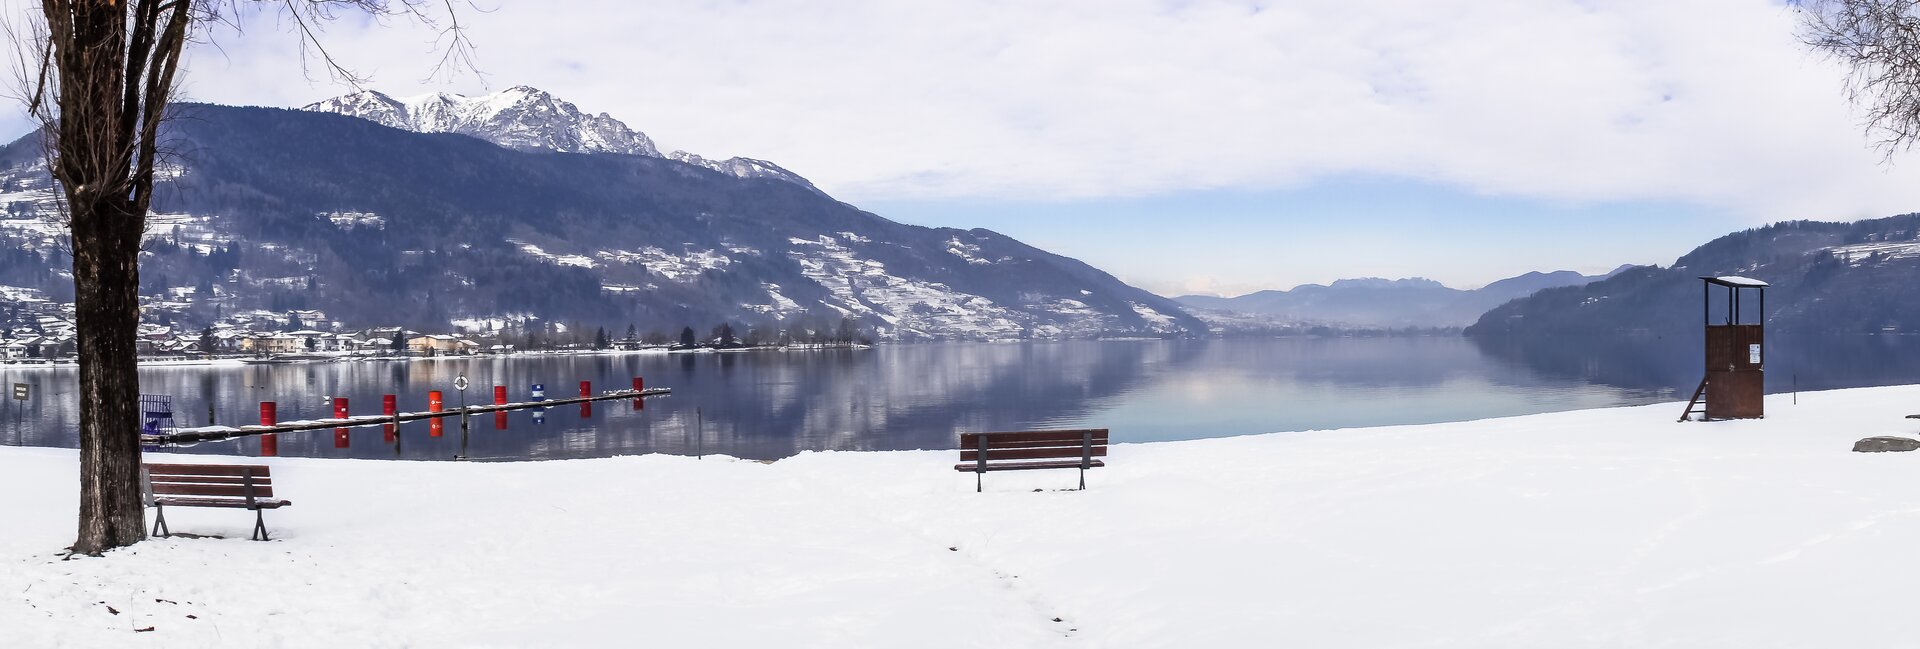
pixel 260 525
pixel 1086 456
pixel 160 521
pixel 979 463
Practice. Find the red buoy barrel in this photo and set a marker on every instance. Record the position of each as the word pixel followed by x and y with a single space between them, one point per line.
pixel 389 406
pixel 340 435
pixel 269 443
pixel 586 388
pixel 499 395
pixel 435 426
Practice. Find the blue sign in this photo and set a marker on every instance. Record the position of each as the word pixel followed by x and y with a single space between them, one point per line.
pixel 539 390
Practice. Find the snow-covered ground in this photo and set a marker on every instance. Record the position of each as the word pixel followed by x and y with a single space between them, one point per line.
pixel 1600 528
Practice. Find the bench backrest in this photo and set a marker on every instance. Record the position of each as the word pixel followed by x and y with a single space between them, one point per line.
pixel 240 482
pixel 1035 445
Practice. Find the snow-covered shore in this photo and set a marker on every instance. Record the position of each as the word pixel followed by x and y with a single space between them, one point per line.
pixel 1599 528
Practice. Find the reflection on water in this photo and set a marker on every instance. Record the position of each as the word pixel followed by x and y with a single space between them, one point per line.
pixel 774 404
pixel 1676 363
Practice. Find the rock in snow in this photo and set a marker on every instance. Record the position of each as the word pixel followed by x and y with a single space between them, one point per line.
pixel 1886 443
pixel 1597 528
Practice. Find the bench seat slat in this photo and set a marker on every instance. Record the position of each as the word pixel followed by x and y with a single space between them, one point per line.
pixel 994 454
pixel 970 467
pixel 210 479
pixel 163 470
pixel 236 503
pixel 1075 442
pixel 240 491
pixel 969 440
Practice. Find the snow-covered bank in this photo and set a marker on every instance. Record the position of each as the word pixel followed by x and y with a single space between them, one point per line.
pixel 1600 528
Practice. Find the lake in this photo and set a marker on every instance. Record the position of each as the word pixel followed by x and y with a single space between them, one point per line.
pixel 771 404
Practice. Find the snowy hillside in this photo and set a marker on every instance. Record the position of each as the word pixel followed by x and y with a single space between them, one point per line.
pixel 528 119
pixel 1860 277
pixel 1598 528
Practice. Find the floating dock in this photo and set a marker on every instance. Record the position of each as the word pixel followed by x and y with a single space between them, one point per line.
pixel 215 433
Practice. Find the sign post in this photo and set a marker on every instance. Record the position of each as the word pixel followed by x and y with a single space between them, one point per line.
pixel 460 383
pixel 21 392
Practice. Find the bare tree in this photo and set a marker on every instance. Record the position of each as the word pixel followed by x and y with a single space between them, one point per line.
pixel 101 74
pixel 1879 42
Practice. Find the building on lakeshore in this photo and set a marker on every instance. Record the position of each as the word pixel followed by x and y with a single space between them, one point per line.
pixel 441 345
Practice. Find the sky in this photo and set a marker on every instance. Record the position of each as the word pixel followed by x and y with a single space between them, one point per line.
pixel 1189 146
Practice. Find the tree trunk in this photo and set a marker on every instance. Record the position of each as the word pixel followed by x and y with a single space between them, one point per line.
pixel 106 277
pixel 98 148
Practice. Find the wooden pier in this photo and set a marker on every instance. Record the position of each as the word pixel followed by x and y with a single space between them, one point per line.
pixel 215 433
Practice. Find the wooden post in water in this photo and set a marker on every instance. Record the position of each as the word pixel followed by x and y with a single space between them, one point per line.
pixel 463 430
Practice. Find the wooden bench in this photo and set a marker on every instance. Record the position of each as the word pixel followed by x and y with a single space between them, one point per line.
pixel 209 485
pixel 983 452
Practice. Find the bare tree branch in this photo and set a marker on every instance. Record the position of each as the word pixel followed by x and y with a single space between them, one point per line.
pixel 1879 42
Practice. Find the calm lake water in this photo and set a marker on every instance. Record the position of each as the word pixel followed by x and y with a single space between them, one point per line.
pixel 767 405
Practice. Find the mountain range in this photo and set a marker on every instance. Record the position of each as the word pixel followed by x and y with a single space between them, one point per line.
pixel 515 206
pixel 1380 303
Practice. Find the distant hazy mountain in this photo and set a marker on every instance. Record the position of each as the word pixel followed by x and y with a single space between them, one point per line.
pixel 529 119
pixel 1383 303
pixel 1858 277
pixel 282 210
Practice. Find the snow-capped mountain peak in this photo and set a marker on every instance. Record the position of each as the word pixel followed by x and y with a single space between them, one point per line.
pixel 521 117
pixel 528 118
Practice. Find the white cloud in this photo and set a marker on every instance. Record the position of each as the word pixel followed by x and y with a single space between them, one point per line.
pixel 1703 101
